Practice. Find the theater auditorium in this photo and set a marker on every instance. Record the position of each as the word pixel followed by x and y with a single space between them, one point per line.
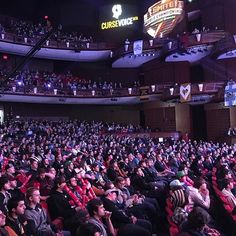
pixel 118 118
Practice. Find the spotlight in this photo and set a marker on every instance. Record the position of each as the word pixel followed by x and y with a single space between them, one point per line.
pixel 49 85
pixel 19 83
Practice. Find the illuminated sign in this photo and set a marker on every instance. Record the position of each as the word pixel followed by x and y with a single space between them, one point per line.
pixel 163 16
pixel 119 21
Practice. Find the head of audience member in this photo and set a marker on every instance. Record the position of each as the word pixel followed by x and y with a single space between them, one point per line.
pixel 120 182
pixel 200 184
pixel 227 184
pixel 16 207
pixel 95 208
pixel 60 183
pixel 4 183
pixel 32 196
pixel 10 169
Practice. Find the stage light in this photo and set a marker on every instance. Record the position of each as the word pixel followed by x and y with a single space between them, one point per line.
pixel 46 17
pixel 49 85
pixel 19 83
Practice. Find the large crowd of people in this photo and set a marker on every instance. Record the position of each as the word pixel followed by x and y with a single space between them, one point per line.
pixel 26 29
pixel 89 180
pixel 47 81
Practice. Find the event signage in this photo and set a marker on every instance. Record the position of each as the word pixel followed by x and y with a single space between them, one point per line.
pixel 185 92
pixel 118 20
pixel 230 94
pixel 162 17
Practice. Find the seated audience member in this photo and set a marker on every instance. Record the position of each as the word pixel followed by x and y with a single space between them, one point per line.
pixel 37 216
pixel 59 206
pixel 196 224
pixel 88 229
pixel 227 192
pixel 3 231
pixel 4 191
pixel 183 177
pixel 178 195
pixel 16 224
pixel 100 217
pixel 199 194
pixel 120 219
pixel 44 182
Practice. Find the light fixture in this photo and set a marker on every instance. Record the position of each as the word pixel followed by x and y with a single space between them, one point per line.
pixel 14 89
pixel 151 42
pixel 234 38
pixel 130 91
pixel 198 37
pixel 55 91
pixel 170 45
pixel 200 87
pixel 35 90
pixel 49 85
pixel 19 83
pixel 74 92
pixel 171 91
pixel 93 92
pixel 153 88
pixel 67 44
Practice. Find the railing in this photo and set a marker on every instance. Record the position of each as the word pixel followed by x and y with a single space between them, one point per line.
pixel 162 89
pixel 61 44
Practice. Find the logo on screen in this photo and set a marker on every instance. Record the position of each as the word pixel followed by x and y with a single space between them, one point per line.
pixel 163 16
pixel 117 11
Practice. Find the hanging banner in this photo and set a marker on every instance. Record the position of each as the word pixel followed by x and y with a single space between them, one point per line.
pixel 185 92
pixel 230 94
pixel 138 47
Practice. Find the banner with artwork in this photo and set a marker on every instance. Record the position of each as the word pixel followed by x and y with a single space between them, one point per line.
pixel 185 92
pixel 138 47
pixel 230 94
